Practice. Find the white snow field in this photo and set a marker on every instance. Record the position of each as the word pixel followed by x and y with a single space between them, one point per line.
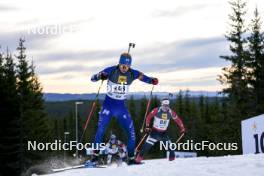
pixel 240 165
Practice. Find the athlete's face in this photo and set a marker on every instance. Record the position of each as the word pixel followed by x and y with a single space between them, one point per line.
pixel 165 107
pixel 123 68
pixel 113 141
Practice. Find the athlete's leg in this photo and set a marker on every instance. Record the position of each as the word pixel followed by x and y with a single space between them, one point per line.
pixel 166 139
pixel 150 141
pixel 104 119
pixel 125 121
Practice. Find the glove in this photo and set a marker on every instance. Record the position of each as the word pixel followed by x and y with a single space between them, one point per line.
pixel 154 81
pixel 147 129
pixel 94 78
pixel 103 76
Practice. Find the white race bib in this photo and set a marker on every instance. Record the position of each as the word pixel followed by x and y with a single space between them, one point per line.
pixel 113 150
pixel 117 91
pixel 161 124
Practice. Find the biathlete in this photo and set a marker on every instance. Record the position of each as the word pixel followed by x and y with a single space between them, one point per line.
pixel 119 78
pixel 162 116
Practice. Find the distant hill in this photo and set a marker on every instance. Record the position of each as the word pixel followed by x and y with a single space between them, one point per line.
pixel 136 95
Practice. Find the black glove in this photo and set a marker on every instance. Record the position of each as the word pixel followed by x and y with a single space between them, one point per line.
pixel 103 76
pixel 147 129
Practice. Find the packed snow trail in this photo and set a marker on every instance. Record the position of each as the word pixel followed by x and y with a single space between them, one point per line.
pixel 241 165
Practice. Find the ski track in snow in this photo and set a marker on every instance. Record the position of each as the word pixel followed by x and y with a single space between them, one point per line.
pixel 240 165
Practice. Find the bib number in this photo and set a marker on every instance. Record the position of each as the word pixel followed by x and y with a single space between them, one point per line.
pixel 117 91
pixel 161 124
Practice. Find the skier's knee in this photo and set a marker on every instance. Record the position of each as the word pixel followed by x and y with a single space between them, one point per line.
pixel 101 131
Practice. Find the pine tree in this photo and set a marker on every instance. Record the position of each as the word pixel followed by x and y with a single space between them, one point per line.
pixel 142 111
pixel 235 77
pixel 143 106
pixel 155 102
pixel 71 125
pixel 10 118
pixel 133 112
pixel 207 114
pixel 65 127
pixel 256 63
pixel 179 103
pixel 40 117
pixel 193 121
pixel 2 81
pixel 34 122
pixel 202 107
pixel 56 130
pixel 187 103
pixel 132 107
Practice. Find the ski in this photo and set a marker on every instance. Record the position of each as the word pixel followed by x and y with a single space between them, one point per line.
pixel 138 164
pixel 76 167
pixel 68 168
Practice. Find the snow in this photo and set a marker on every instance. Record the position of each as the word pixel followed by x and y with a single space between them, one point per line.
pixel 240 165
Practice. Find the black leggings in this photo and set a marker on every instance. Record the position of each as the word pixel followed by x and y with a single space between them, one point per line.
pixel 154 137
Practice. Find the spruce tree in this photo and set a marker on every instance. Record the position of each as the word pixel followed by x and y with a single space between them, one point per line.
pixel 202 107
pixel 235 77
pixel 10 121
pixel 2 81
pixel 207 114
pixel 187 103
pixel 133 112
pixel 155 102
pixel 56 130
pixel 179 103
pixel 34 122
pixel 132 107
pixel 142 111
pixel 256 63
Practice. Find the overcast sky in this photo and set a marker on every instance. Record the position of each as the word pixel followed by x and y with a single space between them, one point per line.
pixel 177 41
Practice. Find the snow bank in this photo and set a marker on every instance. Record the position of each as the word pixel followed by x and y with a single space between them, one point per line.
pixel 241 165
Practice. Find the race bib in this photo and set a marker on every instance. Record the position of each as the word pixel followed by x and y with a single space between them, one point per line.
pixel 117 91
pixel 112 151
pixel 161 124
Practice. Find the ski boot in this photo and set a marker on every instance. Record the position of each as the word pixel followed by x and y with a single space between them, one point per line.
pixel 93 162
pixel 138 159
pixel 132 161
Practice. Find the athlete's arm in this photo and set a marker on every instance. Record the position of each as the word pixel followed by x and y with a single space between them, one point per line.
pixel 150 116
pixel 178 121
pixel 144 78
pixel 102 74
pixel 107 146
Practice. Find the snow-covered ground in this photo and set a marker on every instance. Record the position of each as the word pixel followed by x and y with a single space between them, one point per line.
pixel 242 165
